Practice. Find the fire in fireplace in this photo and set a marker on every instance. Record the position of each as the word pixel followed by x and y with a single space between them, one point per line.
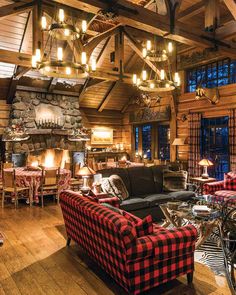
pixel 49 158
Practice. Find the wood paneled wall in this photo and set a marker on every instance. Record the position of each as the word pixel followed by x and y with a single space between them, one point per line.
pixel 187 104
pixel 91 118
pixel 4 115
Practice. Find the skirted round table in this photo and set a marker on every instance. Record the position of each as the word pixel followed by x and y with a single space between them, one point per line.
pixel 32 179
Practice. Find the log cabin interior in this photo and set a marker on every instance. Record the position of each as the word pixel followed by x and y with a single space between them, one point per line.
pixel 118 147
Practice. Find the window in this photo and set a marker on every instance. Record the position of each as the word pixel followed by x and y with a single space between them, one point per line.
pixel 215 74
pixel 214 145
pixel 136 138
pixel 146 142
pixel 163 142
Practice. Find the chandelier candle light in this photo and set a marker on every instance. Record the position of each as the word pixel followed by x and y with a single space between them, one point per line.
pixel 157 81
pixel 60 67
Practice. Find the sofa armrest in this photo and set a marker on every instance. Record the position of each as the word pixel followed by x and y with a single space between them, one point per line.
pixel 112 200
pixel 164 243
pixel 211 187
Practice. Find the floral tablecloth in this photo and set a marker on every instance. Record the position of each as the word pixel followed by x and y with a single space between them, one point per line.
pixel 33 179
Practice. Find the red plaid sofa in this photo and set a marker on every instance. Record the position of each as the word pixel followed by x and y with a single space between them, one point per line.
pixel 135 263
pixel 221 191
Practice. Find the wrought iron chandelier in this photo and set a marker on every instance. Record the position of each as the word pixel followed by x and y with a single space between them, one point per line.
pixel 61 66
pixel 157 81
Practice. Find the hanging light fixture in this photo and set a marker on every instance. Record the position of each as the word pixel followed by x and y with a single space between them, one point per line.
pixel 160 81
pixel 159 54
pixel 60 66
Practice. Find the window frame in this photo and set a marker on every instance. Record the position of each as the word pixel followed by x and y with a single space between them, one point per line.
pixel 206 81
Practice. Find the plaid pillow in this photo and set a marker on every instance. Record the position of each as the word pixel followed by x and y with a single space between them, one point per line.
pixel 143 226
pixel 230 181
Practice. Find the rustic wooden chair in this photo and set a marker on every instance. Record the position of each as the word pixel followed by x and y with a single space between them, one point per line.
pixel 9 186
pixel 49 184
pixel 75 182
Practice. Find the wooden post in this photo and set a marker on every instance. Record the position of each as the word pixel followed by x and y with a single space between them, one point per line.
pixel 212 15
pixel 36 27
pixel 119 51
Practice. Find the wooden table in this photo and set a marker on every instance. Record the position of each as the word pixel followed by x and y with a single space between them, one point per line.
pixel 201 181
pixel 176 218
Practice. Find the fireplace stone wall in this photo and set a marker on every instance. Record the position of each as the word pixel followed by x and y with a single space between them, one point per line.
pixel 24 112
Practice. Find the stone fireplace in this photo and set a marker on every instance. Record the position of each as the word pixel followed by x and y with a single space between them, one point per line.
pixel 48 119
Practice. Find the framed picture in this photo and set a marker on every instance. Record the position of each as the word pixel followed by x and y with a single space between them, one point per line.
pixel 102 136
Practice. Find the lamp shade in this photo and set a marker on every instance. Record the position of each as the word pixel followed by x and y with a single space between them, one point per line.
pixel 86 171
pixel 178 141
pixel 205 162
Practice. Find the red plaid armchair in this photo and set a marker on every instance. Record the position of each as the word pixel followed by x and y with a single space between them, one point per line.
pixel 221 191
pixel 135 263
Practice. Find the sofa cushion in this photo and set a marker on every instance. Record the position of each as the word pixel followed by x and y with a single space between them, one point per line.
pixel 230 181
pixel 122 172
pixel 182 195
pixel 114 185
pixel 174 180
pixel 156 199
pixel 134 204
pixel 143 226
pixel 141 180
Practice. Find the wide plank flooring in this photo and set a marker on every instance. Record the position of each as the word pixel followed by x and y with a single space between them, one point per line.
pixel 34 260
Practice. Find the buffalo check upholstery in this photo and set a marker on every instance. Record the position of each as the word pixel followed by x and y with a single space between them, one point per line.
pixel 221 191
pixel 135 263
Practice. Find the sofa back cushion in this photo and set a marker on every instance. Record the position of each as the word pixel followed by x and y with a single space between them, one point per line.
pixel 115 186
pixel 174 180
pixel 122 172
pixel 230 181
pixel 141 180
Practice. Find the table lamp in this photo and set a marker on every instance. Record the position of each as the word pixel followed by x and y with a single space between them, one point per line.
pixel 205 163
pixel 178 142
pixel 85 172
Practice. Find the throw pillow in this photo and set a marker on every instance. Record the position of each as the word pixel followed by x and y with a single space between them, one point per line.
pixel 230 181
pixel 114 185
pixel 174 180
pixel 143 226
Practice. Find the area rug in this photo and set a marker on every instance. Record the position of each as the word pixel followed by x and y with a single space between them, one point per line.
pixel 210 253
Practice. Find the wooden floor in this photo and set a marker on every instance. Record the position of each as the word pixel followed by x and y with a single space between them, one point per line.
pixel 34 260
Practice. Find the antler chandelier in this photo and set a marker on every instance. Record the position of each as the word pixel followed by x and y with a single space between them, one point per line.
pixel 60 66
pixel 160 80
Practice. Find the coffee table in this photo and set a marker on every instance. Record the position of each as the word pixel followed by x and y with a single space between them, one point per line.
pixel 176 217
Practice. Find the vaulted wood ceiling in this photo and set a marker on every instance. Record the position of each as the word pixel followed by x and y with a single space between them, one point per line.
pixel 105 90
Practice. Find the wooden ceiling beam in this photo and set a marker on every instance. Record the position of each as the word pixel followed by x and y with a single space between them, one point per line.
pixel 93 42
pixel 231 6
pixel 226 31
pixel 191 11
pixel 108 96
pixel 16 8
pixel 147 20
pixel 137 47
pixel 102 54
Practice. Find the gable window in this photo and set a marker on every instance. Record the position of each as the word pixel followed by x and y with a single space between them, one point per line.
pixel 212 75
pixel 214 145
